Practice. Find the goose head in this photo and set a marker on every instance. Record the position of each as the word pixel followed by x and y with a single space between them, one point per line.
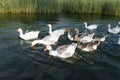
pixel 49 25
pixel 19 30
pixel 109 25
pixel 85 23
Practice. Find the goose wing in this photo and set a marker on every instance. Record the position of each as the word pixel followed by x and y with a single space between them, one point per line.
pixel 62 49
pixel 31 33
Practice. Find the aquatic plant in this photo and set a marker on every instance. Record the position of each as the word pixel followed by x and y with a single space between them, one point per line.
pixel 105 7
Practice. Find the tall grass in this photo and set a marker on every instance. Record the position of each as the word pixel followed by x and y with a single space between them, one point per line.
pixel 105 7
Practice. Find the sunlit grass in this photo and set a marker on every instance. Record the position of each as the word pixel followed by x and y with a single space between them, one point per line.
pixel 105 7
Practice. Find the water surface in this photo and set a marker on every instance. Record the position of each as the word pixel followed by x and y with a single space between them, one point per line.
pixel 19 62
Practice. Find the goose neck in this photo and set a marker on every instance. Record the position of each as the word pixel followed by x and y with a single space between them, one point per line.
pixel 77 33
pixel 109 27
pixel 50 29
pixel 86 25
pixel 70 36
pixel 51 50
pixel 21 32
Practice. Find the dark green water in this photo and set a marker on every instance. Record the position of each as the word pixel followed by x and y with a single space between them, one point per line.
pixel 19 62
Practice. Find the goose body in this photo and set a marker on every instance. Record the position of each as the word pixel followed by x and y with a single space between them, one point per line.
pixel 87 38
pixel 91 27
pixel 114 30
pixel 28 35
pixel 99 37
pixel 90 46
pixel 48 40
pixel 55 32
pixel 64 51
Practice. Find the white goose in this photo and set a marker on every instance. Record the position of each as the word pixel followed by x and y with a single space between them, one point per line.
pixel 28 35
pixel 119 40
pixel 91 27
pixel 48 40
pixel 114 30
pixel 55 32
pixel 64 51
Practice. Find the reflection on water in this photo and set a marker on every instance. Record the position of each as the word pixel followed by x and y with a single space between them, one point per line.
pixel 20 62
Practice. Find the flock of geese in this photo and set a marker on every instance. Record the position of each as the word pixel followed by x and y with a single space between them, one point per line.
pixel 85 41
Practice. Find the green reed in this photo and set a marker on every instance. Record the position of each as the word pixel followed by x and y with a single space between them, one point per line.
pixel 105 7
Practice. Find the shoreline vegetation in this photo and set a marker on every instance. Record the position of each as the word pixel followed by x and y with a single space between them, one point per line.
pixel 102 7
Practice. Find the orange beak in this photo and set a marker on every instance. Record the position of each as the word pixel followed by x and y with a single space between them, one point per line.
pixel 45 49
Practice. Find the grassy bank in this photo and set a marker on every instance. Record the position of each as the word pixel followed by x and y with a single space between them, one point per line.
pixel 106 7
